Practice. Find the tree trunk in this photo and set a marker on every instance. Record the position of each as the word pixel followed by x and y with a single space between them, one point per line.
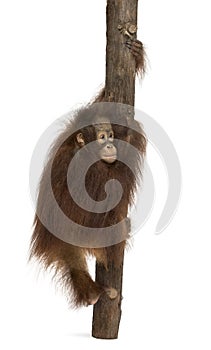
pixel 119 87
pixel 120 64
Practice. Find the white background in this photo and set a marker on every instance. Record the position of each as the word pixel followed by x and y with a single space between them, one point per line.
pixel 52 58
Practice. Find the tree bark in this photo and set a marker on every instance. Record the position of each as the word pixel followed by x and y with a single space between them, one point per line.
pixel 119 87
pixel 120 64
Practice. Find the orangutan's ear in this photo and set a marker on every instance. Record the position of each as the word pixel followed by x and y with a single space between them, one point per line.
pixel 80 139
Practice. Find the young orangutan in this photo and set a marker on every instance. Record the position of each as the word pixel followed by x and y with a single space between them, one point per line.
pixel 48 244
